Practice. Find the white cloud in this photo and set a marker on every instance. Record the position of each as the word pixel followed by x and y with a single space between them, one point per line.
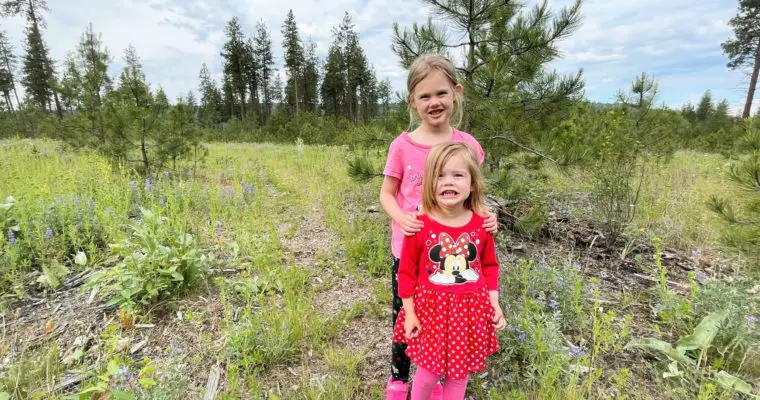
pixel 677 41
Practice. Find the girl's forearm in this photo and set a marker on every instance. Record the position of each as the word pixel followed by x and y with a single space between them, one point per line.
pixel 493 295
pixel 408 305
pixel 390 205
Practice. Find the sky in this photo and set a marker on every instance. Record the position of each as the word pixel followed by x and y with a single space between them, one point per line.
pixel 676 41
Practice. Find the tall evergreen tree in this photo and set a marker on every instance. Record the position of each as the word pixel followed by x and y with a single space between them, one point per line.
pixel 310 78
pixel 368 95
pixel 334 82
pixel 276 89
pixel 39 75
pixel 294 62
pixel 253 74
pixel 8 62
pixel 743 50
pixel 211 109
pixel 236 59
pixel 355 64
pixel 263 51
pixel 95 82
pixel 705 108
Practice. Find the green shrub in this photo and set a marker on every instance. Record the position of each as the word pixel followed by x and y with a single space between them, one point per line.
pixel 157 262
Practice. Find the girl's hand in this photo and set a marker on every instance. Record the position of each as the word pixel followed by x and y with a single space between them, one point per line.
pixel 410 224
pixel 490 224
pixel 411 326
pixel 498 318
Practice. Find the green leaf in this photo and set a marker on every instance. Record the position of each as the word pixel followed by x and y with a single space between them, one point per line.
pixel 147 382
pixel 177 276
pixel 5 396
pixel 80 259
pixel 672 371
pixel 659 345
pixel 9 201
pixel 113 367
pixel 704 333
pixel 729 381
pixel 50 276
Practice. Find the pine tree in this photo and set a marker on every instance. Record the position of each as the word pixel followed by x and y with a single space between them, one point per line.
pixel 39 75
pixel 505 53
pixel 95 82
pixel 211 110
pixel 263 51
pixel 294 62
pixel 310 79
pixel 253 74
pixel 71 85
pixel 744 49
pixel 8 62
pixel 334 82
pixel 705 108
pixel 355 64
pixel 368 95
pixel 236 63
pixel 276 89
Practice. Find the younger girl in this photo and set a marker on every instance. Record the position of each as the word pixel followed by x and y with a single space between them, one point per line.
pixel 449 278
pixel 435 100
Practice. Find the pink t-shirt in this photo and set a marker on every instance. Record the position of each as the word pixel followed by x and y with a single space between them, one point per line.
pixel 406 162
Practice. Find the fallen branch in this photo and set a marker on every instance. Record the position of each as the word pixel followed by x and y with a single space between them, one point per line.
pixel 212 383
pixel 671 283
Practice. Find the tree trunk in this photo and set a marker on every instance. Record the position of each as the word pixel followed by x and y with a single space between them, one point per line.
pixel 242 104
pixel 752 84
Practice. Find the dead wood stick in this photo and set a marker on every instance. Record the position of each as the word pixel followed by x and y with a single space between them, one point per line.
pixel 212 383
pixel 650 279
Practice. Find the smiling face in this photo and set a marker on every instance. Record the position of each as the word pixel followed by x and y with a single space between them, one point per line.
pixel 433 99
pixel 454 183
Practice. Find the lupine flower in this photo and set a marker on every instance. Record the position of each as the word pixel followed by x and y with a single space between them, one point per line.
pixel 576 266
pixel 560 283
pixel 522 337
pixel 553 304
pixel 11 237
pixel 48 233
pixel 751 319
pixel 148 185
pixel 702 277
pixel 511 329
pixel 576 351
pixel 248 189
pixel 162 202
pixel 696 252
pixel 228 191
pixel 542 264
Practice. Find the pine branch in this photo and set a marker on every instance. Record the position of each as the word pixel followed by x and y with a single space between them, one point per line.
pixel 526 148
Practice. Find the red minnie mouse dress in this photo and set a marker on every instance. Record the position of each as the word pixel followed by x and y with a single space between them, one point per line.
pixel 449 271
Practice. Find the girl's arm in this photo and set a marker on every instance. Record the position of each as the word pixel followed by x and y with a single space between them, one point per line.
pixel 412 324
pixel 408 222
pixel 489 263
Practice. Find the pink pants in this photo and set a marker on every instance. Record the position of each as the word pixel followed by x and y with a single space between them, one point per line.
pixel 424 382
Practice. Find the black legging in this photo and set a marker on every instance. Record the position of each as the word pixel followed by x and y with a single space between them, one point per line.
pixel 400 363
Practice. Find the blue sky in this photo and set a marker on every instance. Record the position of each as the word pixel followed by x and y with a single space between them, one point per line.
pixel 676 41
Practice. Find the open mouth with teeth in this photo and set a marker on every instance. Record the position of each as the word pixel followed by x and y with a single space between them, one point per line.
pixel 446 194
pixel 435 113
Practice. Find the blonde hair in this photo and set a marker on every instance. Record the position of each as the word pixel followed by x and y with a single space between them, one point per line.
pixel 438 157
pixel 422 66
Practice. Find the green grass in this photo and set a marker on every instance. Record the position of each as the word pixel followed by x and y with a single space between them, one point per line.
pixel 248 200
pixel 673 200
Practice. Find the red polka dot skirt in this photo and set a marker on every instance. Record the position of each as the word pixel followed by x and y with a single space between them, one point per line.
pixel 457 334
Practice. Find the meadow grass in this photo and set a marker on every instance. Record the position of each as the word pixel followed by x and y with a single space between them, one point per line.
pixel 246 201
pixel 673 198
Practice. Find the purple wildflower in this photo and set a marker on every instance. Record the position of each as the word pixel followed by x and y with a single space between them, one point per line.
pixel 553 304
pixel 162 202
pixel 11 237
pixel 701 277
pixel 48 233
pixel 696 252
pixel 511 329
pixel 751 319
pixel 228 191
pixel 248 189
pixel 576 351
pixel 542 264
pixel 522 337
pixel 560 283
pixel 576 266
pixel 148 185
